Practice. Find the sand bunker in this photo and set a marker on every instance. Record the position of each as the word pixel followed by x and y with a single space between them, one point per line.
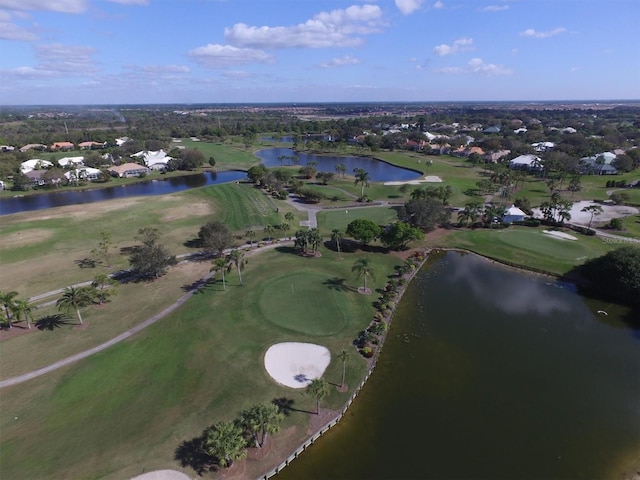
pixel 163 475
pixel 296 364
pixel 427 179
pixel 562 235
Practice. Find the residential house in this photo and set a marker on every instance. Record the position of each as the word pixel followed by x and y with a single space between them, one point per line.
pixel 33 146
pixel 7 148
pixel 493 129
pixel 90 145
pixel 127 170
pixel 84 173
pixel 122 140
pixel 62 146
pixel 600 164
pixel 157 160
pixel 543 146
pixel 513 214
pixel 68 162
pixel 526 162
pixel 520 130
pixel 494 157
pixel 35 164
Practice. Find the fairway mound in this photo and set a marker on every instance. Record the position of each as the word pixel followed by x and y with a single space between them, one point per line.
pixel 163 475
pixel 564 236
pixel 427 179
pixel 295 364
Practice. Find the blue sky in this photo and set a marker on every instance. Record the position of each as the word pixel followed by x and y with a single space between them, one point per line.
pixel 221 51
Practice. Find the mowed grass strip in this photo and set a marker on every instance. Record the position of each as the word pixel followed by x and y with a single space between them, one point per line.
pixel 329 220
pixel 128 408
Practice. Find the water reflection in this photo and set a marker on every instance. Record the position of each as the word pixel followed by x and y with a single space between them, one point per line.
pixel 153 187
pixel 379 171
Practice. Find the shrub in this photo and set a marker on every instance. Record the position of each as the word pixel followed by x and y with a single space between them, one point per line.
pixel 367 352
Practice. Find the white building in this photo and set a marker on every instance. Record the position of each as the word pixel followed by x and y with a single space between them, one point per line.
pixel 69 162
pixel 526 162
pixel 35 164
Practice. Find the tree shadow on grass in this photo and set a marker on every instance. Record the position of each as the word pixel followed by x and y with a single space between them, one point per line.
pixel 201 286
pixel 51 322
pixel 86 263
pixel 191 453
pixel 285 405
pixel 287 249
pixel 336 283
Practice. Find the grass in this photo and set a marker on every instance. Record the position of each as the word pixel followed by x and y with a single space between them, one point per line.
pixel 332 219
pixel 226 156
pixel 138 400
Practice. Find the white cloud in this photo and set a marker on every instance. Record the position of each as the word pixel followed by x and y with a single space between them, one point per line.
pixel 479 67
pixel 63 6
pixel 130 2
pixel 407 7
pixel 158 69
pixel 237 74
pixel 340 62
pixel 438 5
pixel 214 55
pixel 326 29
pixel 460 45
pixel 10 31
pixel 532 33
pixel 494 8
pixel 67 59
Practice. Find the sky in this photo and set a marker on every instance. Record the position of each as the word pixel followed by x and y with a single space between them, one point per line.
pixel 265 51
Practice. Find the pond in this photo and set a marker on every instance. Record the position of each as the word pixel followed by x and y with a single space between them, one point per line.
pixel 379 171
pixel 490 373
pixel 153 187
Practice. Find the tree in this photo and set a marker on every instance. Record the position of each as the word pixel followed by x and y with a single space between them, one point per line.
pixel 269 231
pixel 220 264
pixel 215 237
pixel 257 173
pixel 8 300
pixel 616 274
pixel 236 257
pixel 336 236
pixel 150 260
pixel 574 184
pixel 105 287
pixel 289 217
pixel 225 441
pixel 344 356
pixel 362 178
pixel 22 308
pixel 399 234
pixel 285 227
pixel 75 298
pixel 318 388
pixel 594 210
pixel 471 213
pixel 362 268
pixel 250 234
pixel 341 168
pixel 314 239
pixel 263 418
pixel 363 230
pixel 424 213
pixel 102 249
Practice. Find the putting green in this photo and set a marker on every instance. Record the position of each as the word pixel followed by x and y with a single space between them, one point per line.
pixel 538 242
pixel 304 302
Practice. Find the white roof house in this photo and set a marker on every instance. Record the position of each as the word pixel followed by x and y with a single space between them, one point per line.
pixel 155 160
pixel 600 163
pixel 543 146
pixel 34 164
pixel 84 173
pixel 526 161
pixel 122 140
pixel 513 214
pixel 68 162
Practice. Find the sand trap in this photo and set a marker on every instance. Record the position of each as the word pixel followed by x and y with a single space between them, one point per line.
pixel 427 179
pixel 562 235
pixel 582 218
pixel 296 364
pixel 163 475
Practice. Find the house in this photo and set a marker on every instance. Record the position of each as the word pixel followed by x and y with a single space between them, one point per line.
pixel 36 177
pixel 543 146
pixel 154 160
pixel 526 162
pixel 127 170
pixel 569 130
pixel 122 140
pixel 90 145
pixel 513 214
pixel 68 162
pixel 84 173
pixel 35 164
pixel 494 157
pixel 33 146
pixel 62 146
pixel 600 164
pixel 493 129
pixel 7 148
pixel 520 130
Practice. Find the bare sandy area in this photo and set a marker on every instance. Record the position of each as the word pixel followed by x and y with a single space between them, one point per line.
pixel 295 364
pixel 163 475
pixel 21 239
pixel 608 212
pixel 193 209
pixel 427 179
pixel 562 235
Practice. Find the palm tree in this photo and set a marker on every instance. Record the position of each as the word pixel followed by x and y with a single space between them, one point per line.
pixel 341 168
pixel 8 302
pixel 362 178
pixel 285 227
pixel 263 418
pixel 225 441
pixel 289 217
pixel 250 234
pixel 362 268
pixel 236 257
pixel 302 240
pixel 74 298
pixel 23 307
pixel 269 231
pixel 594 210
pixel 344 356
pixel 470 213
pixel 336 236
pixel 318 388
pixel 220 265
pixel 314 239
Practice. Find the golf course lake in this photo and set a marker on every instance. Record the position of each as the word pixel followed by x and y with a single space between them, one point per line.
pixel 162 186
pixel 378 170
pixel 491 373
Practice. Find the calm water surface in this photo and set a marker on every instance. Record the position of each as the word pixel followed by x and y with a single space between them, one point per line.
pixel 153 187
pixel 490 374
pixel 379 171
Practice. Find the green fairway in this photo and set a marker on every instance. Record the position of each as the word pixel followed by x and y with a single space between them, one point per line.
pixel 340 218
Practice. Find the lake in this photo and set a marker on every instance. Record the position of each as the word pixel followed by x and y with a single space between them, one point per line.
pixel 489 373
pixel 379 171
pixel 152 187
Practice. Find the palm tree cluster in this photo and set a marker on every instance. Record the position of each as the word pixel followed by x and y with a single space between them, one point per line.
pixel 224 264
pixel 15 309
pixel 474 212
pixel 307 240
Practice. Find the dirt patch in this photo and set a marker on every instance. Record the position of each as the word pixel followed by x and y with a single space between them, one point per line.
pixel 316 422
pixel 190 210
pixel 84 210
pixel 27 237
